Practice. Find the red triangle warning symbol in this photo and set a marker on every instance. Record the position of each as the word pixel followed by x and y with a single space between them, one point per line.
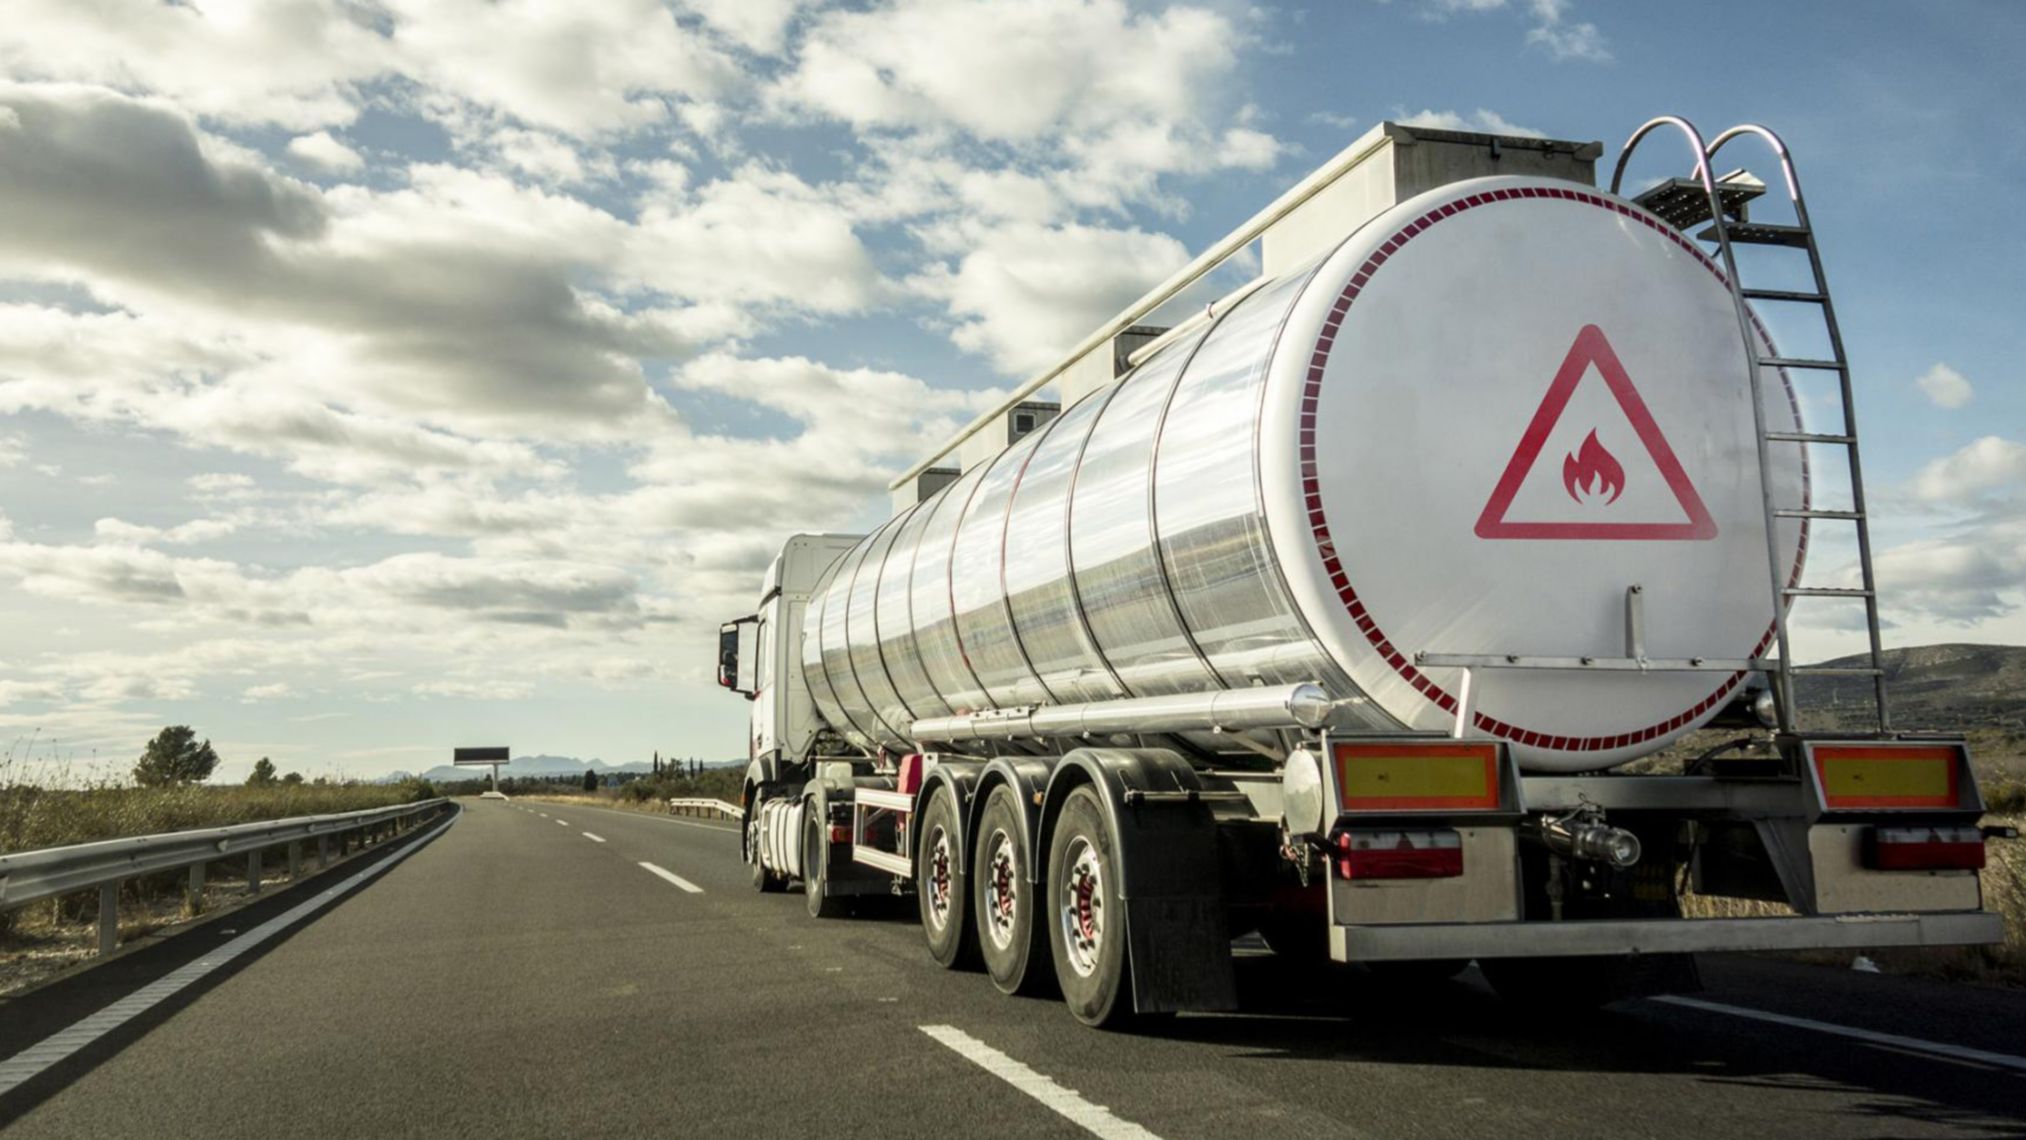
pixel 1592 466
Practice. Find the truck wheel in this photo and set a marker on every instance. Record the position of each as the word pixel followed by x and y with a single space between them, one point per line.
pixel 815 867
pixel 1087 929
pixel 940 887
pixel 764 881
pixel 1009 940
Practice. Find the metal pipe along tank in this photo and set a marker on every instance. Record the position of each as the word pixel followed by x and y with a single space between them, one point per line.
pixel 1467 429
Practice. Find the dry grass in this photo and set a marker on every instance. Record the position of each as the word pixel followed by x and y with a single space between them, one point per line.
pixel 32 818
pixel 48 936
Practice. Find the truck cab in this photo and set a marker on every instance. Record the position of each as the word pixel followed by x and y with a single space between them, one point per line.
pixel 759 655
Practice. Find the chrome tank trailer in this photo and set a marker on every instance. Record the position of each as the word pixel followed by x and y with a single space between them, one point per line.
pixel 1477 426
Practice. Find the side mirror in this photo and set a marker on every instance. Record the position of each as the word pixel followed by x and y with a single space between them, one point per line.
pixel 729 635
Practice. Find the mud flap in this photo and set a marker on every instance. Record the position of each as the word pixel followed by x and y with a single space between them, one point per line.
pixel 1176 926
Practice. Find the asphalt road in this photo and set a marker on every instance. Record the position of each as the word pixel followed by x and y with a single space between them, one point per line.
pixel 515 977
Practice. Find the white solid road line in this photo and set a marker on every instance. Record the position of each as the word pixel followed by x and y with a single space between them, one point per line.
pixel 672 877
pixel 34 1060
pixel 1894 1040
pixel 1095 1119
pixel 594 838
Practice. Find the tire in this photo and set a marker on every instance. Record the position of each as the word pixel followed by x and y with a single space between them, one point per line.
pixel 815 861
pixel 764 881
pixel 940 886
pixel 1004 902
pixel 1086 922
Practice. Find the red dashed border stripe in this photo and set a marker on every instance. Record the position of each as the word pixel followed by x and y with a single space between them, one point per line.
pixel 1326 546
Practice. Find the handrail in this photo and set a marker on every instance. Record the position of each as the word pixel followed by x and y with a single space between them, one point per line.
pixel 31 876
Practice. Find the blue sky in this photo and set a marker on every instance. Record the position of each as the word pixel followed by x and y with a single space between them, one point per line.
pixel 382 375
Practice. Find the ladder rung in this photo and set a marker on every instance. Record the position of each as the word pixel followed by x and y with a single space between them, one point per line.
pixel 1808 437
pixel 1836 671
pixel 1782 295
pixel 1810 513
pixel 1751 233
pixel 1801 362
pixel 1824 592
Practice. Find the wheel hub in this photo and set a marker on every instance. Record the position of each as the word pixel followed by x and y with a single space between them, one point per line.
pixel 1083 908
pixel 1002 879
pixel 939 878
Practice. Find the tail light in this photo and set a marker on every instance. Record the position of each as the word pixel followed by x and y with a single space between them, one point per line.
pixel 840 833
pixel 1433 854
pixel 1924 849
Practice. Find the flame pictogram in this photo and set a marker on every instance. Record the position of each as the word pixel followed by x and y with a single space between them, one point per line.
pixel 1593 472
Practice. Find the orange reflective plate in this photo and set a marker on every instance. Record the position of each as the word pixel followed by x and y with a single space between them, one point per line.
pixel 1887 776
pixel 1417 777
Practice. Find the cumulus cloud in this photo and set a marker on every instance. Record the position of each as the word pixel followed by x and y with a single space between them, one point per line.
pixel 323 152
pixel 1990 464
pixel 1025 294
pixel 1945 387
pixel 1489 122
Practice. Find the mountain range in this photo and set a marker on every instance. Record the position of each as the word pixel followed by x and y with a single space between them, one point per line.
pixel 543 766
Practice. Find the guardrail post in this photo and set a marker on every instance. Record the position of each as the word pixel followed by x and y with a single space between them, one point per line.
pixel 323 851
pixel 294 861
pixel 193 891
pixel 108 918
pixel 253 871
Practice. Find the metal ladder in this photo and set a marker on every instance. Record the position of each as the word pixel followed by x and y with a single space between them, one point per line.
pixel 1722 202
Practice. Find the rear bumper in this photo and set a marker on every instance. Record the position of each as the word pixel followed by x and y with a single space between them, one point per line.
pixel 1661 936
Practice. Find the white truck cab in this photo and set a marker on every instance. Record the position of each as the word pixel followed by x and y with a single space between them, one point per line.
pixel 760 655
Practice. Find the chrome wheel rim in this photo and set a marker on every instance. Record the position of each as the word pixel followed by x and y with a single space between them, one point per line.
pixel 1002 888
pixel 938 893
pixel 1083 907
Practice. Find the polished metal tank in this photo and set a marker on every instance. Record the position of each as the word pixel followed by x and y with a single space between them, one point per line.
pixel 1467 429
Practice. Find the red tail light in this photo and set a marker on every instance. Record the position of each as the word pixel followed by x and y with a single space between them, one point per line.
pixel 840 833
pixel 1436 854
pixel 1925 849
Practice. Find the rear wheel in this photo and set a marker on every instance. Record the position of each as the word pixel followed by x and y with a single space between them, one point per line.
pixel 815 865
pixel 940 885
pixel 1004 902
pixel 1087 929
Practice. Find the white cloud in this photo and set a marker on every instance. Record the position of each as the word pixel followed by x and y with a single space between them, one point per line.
pixel 758 25
pixel 1564 39
pixel 582 69
pixel 1026 294
pixel 1989 464
pixel 1488 122
pixel 279 690
pixel 1945 387
pixel 325 153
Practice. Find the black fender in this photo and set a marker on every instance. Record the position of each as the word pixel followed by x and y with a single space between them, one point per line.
pixel 1170 875
pixel 1028 777
pixel 961 778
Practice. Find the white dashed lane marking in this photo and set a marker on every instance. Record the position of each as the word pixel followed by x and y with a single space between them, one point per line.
pixel 672 877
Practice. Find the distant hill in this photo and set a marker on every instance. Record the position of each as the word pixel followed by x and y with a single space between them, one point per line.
pixel 1954 688
pixel 536 766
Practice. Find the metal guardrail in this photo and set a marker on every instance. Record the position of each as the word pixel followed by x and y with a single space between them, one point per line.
pixel 706 807
pixel 32 876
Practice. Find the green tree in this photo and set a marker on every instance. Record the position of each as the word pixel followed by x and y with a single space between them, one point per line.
pixel 590 780
pixel 175 757
pixel 263 774
pixel 292 779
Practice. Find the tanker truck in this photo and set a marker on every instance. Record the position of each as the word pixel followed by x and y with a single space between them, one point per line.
pixel 1340 611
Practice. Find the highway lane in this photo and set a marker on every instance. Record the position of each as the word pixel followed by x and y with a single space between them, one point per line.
pixel 518 977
